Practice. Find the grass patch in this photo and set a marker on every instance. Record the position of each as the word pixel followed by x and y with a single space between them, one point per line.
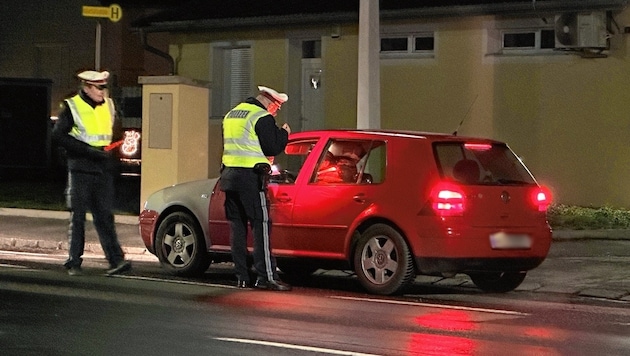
pixel 28 194
pixel 48 194
pixel 587 218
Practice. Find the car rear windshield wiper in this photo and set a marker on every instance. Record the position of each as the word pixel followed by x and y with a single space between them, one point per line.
pixel 512 181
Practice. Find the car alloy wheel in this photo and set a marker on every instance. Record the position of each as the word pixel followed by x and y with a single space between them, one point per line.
pixel 180 245
pixel 382 260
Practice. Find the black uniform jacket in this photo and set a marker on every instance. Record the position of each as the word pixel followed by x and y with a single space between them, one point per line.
pixel 81 156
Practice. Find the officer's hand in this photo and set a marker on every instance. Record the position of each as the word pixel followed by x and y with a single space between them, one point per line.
pixel 287 127
pixel 104 155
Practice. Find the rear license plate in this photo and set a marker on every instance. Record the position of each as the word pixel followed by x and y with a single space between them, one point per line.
pixel 502 241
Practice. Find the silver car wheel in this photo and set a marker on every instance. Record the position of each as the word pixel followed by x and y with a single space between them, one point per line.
pixel 179 242
pixel 379 259
pixel 181 246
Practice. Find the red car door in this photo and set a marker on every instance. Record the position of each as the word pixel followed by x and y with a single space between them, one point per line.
pixel 330 197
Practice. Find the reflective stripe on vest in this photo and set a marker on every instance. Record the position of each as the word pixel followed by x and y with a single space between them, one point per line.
pixel 92 125
pixel 241 147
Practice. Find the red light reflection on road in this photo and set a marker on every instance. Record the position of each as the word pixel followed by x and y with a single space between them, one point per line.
pixel 542 333
pixel 527 341
pixel 445 320
pixel 271 302
pixel 427 344
pixel 451 320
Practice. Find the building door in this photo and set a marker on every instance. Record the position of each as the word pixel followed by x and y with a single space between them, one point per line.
pixel 312 112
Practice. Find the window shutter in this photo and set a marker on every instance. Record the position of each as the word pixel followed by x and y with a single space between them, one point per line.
pixel 240 81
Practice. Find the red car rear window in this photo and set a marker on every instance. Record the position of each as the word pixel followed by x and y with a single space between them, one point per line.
pixel 481 163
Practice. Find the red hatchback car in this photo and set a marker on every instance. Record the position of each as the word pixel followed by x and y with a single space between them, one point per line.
pixel 388 205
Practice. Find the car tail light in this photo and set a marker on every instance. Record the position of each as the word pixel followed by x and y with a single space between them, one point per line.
pixel 541 198
pixel 448 199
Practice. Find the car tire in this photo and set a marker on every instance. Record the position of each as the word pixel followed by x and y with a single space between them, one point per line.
pixel 498 282
pixel 181 246
pixel 382 261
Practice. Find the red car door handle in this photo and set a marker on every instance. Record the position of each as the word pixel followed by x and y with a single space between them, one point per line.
pixel 283 198
pixel 360 198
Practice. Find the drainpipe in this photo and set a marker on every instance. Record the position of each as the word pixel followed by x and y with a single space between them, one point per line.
pixel 158 52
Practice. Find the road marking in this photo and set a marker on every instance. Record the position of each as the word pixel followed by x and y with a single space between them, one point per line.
pixel 153 279
pixel 293 346
pixel 439 306
pixel 12 266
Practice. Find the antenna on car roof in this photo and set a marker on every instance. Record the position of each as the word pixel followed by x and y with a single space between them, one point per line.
pixel 465 116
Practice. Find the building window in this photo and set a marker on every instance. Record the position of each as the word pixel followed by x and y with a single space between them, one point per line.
pixel 408 44
pixel 312 49
pixel 424 43
pixel 399 44
pixel 547 39
pixel 232 80
pixel 521 36
pixel 532 40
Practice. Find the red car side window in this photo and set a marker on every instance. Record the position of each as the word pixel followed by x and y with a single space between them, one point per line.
pixel 345 162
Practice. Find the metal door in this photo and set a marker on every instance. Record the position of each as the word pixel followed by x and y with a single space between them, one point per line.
pixel 312 95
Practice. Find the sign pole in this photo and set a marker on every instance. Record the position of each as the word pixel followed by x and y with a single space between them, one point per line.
pixel 113 12
pixel 97 53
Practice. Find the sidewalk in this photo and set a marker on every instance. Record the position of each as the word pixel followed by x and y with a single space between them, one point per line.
pixel 593 264
pixel 25 229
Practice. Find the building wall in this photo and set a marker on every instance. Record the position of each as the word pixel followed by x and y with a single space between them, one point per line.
pixel 52 40
pixel 48 41
pixel 340 62
pixel 566 116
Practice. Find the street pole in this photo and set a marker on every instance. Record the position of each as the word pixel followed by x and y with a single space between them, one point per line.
pixel 97 51
pixel 369 83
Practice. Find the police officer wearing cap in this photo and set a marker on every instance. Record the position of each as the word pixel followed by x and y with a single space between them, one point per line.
pixel 86 125
pixel 250 135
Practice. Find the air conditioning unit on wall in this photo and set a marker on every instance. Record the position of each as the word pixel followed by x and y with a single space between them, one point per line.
pixel 575 30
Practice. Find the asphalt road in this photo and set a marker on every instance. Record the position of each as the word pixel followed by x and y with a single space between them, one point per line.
pixel 579 264
pixel 144 312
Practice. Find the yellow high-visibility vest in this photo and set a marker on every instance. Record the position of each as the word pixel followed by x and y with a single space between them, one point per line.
pixel 92 125
pixel 241 147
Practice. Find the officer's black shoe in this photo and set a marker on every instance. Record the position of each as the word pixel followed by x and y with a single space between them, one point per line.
pixel 242 284
pixel 276 285
pixel 122 266
pixel 75 271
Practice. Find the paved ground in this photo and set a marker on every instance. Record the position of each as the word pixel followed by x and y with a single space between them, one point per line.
pixel 583 263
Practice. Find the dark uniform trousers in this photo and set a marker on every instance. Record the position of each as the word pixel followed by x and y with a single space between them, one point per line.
pixel 93 192
pixel 246 202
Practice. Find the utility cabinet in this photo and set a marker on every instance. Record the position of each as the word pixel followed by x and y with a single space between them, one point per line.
pixel 175 132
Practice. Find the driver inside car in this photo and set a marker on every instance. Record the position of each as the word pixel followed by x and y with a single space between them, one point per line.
pixel 328 172
pixel 337 169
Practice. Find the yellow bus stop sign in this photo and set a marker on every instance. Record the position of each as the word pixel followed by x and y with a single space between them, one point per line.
pixel 113 12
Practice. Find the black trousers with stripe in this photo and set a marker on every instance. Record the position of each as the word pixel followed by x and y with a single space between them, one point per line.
pixel 246 205
pixel 92 192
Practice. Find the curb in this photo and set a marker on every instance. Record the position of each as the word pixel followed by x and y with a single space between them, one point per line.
pixel 12 244
pixel 55 214
pixel 605 234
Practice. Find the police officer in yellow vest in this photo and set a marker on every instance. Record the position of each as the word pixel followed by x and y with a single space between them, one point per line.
pixel 85 127
pixel 250 135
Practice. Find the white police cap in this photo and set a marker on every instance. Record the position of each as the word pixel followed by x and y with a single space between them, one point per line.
pixel 279 97
pixel 94 77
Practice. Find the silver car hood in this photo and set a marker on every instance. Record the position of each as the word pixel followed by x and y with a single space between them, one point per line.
pixel 193 196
